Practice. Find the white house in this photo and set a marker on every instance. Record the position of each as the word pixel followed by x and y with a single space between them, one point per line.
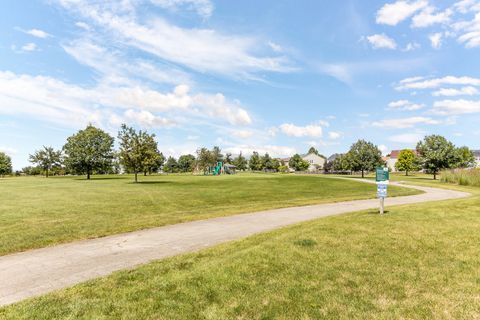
pixel 476 153
pixel 316 162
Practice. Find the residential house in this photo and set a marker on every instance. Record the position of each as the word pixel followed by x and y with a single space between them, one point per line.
pixel 476 153
pixel 392 159
pixel 316 161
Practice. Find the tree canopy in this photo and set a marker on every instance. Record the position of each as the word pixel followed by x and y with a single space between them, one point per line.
pixel 171 166
pixel 46 158
pixel 297 163
pixel 5 164
pixel 255 162
pixel 437 153
pixel 407 161
pixel 364 156
pixel 89 150
pixel 186 163
pixel 240 162
pixel 138 150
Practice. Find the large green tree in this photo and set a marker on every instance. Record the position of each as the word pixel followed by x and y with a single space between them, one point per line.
pixel 297 163
pixel 89 150
pixel 436 154
pixel 267 162
pixel 407 161
pixel 138 150
pixel 240 162
pixel 186 163
pixel 255 163
pixel 46 158
pixel 466 158
pixel 205 158
pixel 364 156
pixel 5 164
pixel 171 166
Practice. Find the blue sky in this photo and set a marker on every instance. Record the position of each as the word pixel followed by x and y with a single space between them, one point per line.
pixel 272 76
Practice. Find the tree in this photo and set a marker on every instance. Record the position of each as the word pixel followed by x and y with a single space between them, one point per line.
pixel 465 158
pixel 297 163
pixel 407 161
pixel 171 166
pixel 254 163
pixel 89 150
pixel 32 171
pixel 217 154
pixel 313 150
pixel 47 158
pixel 364 156
pixel 153 159
pixel 186 163
pixel 228 158
pixel 5 164
pixel 138 150
pixel 240 162
pixel 205 158
pixel 267 162
pixel 436 154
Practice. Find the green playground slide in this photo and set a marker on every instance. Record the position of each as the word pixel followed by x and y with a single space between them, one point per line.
pixel 217 169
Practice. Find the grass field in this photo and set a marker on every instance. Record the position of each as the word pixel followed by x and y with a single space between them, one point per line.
pixel 416 262
pixel 37 212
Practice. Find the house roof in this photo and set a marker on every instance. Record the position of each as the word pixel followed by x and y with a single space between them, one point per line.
pixel 476 153
pixel 395 153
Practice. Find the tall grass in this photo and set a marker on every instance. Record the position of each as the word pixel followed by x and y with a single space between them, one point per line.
pixel 464 177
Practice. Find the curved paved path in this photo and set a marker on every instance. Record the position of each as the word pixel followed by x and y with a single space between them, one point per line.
pixel 35 272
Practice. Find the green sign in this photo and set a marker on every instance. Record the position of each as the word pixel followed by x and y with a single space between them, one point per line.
pixel 382 174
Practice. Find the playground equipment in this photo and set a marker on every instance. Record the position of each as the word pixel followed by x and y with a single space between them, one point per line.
pixel 220 168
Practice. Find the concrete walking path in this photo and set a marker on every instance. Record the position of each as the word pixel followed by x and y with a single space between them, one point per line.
pixel 36 272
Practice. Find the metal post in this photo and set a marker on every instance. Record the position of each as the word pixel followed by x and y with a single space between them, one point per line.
pixel 382 203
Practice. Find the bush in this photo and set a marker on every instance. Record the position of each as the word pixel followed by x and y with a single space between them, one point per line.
pixel 464 177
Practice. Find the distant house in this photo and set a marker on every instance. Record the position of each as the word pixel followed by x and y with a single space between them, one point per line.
pixel 316 161
pixel 392 159
pixel 476 153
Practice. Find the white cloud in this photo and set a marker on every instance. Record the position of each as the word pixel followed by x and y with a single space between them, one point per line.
pixel 403 123
pixel 204 8
pixel 436 40
pixel 38 33
pixel 428 17
pixel 394 13
pixel 411 46
pixel 275 47
pixel 420 83
pixel 297 131
pixel 203 50
pixel 242 134
pixel 146 119
pixel 53 100
pixel 383 148
pixel 451 92
pixel 8 150
pixel 453 107
pixel 404 105
pixel 83 25
pixel 407 138
pixel 30 47
pixel 334 135
pixel 382 41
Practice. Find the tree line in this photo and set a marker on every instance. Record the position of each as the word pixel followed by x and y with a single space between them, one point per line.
pixel 90 151
pixel 432 154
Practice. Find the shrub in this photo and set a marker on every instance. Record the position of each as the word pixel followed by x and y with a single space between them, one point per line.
pixel 464 177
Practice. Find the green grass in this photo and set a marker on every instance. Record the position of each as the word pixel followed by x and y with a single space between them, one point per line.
pixel 37 212
pixel 415 262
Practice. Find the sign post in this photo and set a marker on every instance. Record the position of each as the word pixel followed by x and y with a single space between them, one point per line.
pixel 382 178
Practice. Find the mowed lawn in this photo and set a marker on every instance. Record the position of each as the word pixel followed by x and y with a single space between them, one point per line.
pixel 37 212
pixel 415 262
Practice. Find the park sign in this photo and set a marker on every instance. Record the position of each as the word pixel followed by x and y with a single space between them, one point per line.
pixel 382 178
pixel 382 175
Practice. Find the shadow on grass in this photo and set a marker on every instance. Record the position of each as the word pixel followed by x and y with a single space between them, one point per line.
pixel 100 178
pixel 150 182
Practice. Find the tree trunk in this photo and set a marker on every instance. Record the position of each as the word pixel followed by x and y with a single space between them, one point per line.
pixel 88 174
pixel 136 179
pixel 144 173
pixel 46 173
pixel 434 176
pixel 363 175
pixel 406 172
